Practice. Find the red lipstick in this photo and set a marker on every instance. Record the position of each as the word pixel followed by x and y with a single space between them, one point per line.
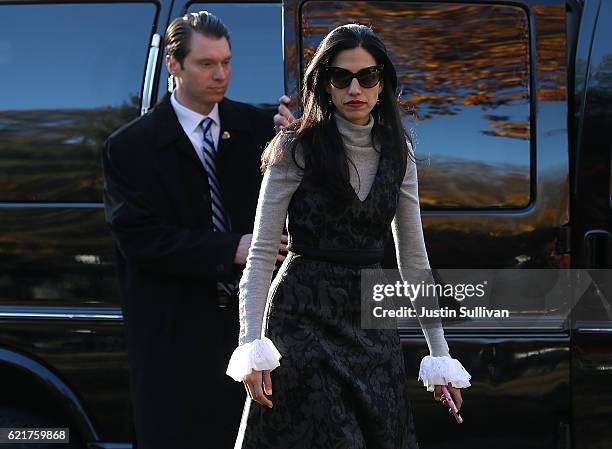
pixel 355 103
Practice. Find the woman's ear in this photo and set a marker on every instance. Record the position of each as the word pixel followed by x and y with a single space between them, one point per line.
pixel 380 87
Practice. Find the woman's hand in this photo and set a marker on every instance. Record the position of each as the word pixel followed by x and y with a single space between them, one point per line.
pixel 256 383
pixel 455 394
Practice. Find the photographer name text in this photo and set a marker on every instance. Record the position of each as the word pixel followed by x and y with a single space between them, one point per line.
pixel 443 312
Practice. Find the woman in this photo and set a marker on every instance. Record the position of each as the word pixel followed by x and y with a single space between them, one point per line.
pixel 340 175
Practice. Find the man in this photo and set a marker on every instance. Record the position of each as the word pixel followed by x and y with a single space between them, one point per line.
pixel 181 188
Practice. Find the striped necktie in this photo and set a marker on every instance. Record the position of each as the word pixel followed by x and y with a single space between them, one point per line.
pixel 220 219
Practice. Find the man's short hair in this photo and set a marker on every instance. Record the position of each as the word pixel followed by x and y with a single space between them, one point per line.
pixel 178 34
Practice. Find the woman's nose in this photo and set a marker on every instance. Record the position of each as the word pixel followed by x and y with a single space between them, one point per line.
pixel 354 87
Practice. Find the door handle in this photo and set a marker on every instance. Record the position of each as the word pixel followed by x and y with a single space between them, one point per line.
pixel 597 249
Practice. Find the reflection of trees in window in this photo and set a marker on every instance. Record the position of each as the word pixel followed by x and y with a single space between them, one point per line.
pixel 454 182
pixel 60 254
pixel 503 127
pixel 54 155
pixel 550 50
pixel 452 56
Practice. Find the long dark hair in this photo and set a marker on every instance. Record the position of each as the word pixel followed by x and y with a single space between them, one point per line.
pixel 325 159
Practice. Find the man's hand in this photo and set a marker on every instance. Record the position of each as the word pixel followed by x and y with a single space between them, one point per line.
pixel 282 248
pixel 245 244
pixel 243 249
pixel 253 383
pixel 284 117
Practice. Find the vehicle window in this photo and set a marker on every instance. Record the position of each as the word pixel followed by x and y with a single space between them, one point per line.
pixel 72 73
pixel 464 77
pixel 257 55
pixel 600 76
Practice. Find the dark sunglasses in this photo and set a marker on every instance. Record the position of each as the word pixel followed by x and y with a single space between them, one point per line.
pixel 341 78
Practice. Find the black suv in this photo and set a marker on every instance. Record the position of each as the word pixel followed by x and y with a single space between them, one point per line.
pixel 510 103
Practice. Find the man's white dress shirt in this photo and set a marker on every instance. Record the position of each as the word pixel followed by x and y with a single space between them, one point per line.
pixel 191 123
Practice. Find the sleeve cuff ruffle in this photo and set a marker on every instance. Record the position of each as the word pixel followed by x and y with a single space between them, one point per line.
pixel 442 371
pixel 260 354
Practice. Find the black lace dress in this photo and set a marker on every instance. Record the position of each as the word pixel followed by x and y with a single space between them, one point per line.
pixel 338 385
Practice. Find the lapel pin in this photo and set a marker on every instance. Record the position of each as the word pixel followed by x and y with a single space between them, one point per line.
pixel 226 135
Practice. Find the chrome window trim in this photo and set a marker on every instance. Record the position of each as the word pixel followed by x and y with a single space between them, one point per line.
pixel 147 88
pixel 61 313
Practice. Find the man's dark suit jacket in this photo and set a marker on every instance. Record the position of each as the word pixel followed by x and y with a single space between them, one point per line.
pixel 158 206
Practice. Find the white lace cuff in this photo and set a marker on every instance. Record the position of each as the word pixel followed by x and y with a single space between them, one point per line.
pixel 260 354
pixel 441 371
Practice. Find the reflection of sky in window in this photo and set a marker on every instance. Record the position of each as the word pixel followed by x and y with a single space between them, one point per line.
pixel 73 55
pixel 257 59
pixel 460 136
pixel 601 52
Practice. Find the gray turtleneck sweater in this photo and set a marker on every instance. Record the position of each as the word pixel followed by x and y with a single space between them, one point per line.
pixel 281 181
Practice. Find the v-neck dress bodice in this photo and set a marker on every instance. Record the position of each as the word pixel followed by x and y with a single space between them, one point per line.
pixel 317 220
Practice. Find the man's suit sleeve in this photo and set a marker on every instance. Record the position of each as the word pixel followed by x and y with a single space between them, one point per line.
pixel 144 239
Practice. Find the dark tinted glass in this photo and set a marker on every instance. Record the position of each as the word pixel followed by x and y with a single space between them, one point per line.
pixel 72 73
pixel 257 55
pixel 464 75
pixel 342 78
pixel 600 79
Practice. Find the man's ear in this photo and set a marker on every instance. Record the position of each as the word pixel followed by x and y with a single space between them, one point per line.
pixel 380 86
pixel 171 65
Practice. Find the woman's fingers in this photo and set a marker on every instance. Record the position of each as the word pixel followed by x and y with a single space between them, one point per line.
pixel 254 384
pixel 245 382
pixel 267 381
pixel 437 392
pixel 456 392
pixel 455 396
pixel 260 397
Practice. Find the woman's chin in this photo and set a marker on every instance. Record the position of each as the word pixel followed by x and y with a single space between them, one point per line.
pixel 357 117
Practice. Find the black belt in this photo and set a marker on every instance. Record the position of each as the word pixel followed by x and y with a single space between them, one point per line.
pixel 345 256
